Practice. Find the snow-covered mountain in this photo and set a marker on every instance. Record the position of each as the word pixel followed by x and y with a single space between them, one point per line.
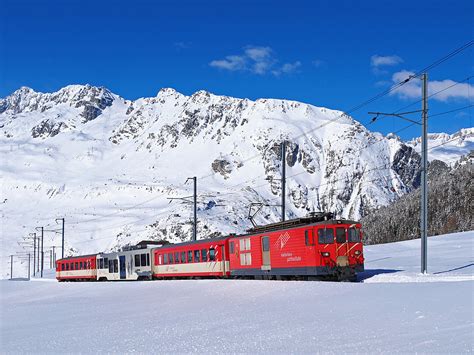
pixel 447 147
pixel 108 165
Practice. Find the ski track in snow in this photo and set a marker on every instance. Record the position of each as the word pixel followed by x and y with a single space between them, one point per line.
pixel 394 309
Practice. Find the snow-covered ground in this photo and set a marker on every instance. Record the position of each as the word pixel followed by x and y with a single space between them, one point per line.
pixel 392 309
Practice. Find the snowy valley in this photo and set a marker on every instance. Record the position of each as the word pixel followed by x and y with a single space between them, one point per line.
pixel 108 165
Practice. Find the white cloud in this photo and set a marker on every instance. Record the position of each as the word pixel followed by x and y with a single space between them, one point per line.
pixel 255 59
pixel 412 89
pixel 287 68
pixel 388 60
pixel 258 53
pixel 231 62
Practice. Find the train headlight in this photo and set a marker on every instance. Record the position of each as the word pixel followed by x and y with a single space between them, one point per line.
pixel 357 252
pixel 325 253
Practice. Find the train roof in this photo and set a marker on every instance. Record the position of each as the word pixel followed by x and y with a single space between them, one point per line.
pixel 318 218
pixel 313 218
pixel 191 242
pixel 77 257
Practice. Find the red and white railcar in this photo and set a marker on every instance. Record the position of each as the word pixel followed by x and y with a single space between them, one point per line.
pixel 307 247
pixel 200 259
pixel 77 268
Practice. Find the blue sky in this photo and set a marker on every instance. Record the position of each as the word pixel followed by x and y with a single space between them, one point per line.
pixel 327 53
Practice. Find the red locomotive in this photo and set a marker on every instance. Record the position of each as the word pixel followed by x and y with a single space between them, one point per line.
pixel 313 247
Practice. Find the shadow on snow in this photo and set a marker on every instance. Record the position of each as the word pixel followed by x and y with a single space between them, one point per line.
pixel 368 273
pixel 455 269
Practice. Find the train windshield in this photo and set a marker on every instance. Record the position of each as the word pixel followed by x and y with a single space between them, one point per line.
pixel 340 235
pixel 326 236
pixel 354 235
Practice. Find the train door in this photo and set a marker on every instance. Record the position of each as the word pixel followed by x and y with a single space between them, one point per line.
pixel 123 267
pixel 341 247
pixel 266 253
pixel 224 270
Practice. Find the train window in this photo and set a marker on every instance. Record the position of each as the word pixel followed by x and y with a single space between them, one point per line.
pixel 143 259
pixel 244 244
pixel 340 235
pixel 265 243
pixel 111 266
pixel 231 247
pixel 190 256
pixel 165 259
pixel 326 236
pixel 106 263
pixel 212 254
pixel 176 257
pixel 101 263
pixel 246 259
pixel 76 267
pixel 203 255
pixel 170 258
pixel 67 266
pixel 115 266
pixel 354 235
pixel 71 266
pixel 183 256
pixel 137 260
pixel 197 255
pixel 80 265
pixel 147 259
pixel 62 267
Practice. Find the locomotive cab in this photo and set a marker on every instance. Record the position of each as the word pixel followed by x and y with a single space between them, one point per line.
pixel 340 247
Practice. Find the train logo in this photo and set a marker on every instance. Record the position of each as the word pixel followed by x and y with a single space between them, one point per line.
pixel 282 240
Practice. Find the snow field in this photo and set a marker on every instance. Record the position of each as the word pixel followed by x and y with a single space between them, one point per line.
pixel 402 312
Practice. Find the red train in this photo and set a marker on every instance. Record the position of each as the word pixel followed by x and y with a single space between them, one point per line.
pixel 312 247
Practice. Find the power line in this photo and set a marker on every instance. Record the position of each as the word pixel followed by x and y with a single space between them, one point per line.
pixel 451 111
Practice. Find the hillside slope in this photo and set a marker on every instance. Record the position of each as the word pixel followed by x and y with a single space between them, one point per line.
pixel 450 207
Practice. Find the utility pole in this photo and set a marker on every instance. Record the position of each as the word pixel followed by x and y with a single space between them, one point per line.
pixel 34 253
pixel 62 239
pixel 42 252
pixel 194 178
pixel 54 256
pixel 186 200
pixel 283 179
pixel 38 255
pixel 424 166
pixel 424 175
pixel 11 267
